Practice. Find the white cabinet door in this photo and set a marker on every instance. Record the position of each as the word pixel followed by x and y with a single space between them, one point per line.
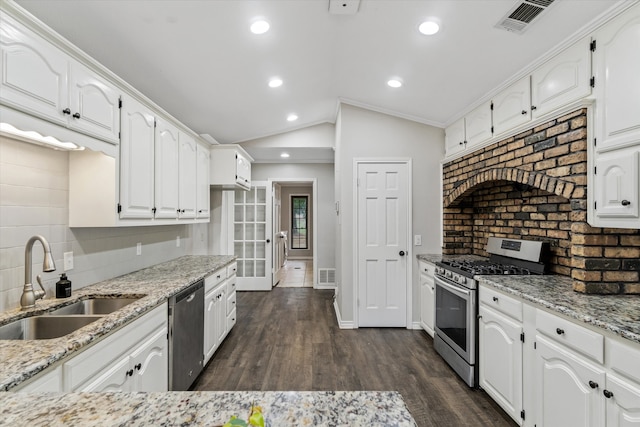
pixel 427 297
pixel 561 80
pixel 243 171
pixel 94 104
pixel 150 363
pixel 210 335
pixel 34 73
pixel 617 187
pixel 568 388
pixel 623 402
pixel 202 181
pixel 511 107
pixel 187 179
pixel 116 378
pixel 478 125
pixel 500 354
pixel 220 314
pixel 617 86
pixel 167 176
pixel 454 138
pixel 136 160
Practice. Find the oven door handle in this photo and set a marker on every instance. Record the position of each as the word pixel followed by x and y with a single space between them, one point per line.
pixel 456 290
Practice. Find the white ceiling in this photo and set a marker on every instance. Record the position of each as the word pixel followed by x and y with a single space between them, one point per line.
pixel 198 60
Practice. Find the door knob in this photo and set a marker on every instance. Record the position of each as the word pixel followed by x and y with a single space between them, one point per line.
pixel 401 253
pixel 268 240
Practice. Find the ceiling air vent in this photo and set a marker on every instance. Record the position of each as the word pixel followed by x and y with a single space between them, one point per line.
pixel 517 20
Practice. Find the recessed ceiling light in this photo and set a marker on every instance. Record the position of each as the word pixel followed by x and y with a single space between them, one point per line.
pixel 284 155
pixel 394 83
pixel 292 118
pixel 260 27
pixel 429 28
pixel 275 82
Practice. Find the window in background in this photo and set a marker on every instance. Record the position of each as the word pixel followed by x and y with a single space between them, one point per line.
pixel 299 215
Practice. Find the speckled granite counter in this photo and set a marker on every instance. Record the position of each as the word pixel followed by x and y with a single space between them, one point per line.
pixel 23 359
pixel 619 314
pixel 345 408
pixel 433 258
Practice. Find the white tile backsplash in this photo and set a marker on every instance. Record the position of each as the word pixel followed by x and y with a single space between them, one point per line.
pixel 34 200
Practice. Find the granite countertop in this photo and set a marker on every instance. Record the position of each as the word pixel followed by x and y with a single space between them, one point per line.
pixel 21 360
pixel 210 409
pixel 433 258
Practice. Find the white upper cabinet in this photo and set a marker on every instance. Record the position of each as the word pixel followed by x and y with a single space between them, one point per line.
pixel 167 175
pixel 478 125
pixel 561 80
pixel 230 167
pixel 616 62
pixel 202 181
pixel 43 81
pixel 454 138
pixel 137 160
pixel 187 161
pixel 511 107
pixel 617 182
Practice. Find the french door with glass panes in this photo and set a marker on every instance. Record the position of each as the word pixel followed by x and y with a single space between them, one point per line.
pixel 252 237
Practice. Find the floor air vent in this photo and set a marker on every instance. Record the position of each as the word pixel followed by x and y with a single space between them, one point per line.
pixel 517 20
pixel 326 276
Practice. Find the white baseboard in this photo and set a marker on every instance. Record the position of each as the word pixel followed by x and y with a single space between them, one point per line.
pixel 298 258
pixel 324 286
pixel 342 324
pixel 416 325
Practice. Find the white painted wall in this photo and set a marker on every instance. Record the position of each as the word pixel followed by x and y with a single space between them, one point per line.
pixel 34 195
pixel 367 134
pixel 326 221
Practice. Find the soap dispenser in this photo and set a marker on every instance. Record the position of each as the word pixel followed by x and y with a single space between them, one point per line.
pixel 63 287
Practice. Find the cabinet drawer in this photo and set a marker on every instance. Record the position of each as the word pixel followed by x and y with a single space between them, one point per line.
pixel 624 358
pixel 231 320
pixel 581 339
pixel 231 285
pixel 231 269
pixel 501 302
pixel 215 278
pixel 231 302
pixel 427 268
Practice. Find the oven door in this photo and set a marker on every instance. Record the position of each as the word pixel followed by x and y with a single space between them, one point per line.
pixel 455 318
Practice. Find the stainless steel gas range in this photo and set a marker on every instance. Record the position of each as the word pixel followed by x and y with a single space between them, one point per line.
pixel 456 325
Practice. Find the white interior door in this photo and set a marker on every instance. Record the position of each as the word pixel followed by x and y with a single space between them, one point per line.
pixel 382 243
pixel 252 237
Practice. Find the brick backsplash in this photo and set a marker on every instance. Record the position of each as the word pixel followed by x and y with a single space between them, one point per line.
pixel 533 186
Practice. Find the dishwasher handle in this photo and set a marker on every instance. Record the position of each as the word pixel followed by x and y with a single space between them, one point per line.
pixel 188 293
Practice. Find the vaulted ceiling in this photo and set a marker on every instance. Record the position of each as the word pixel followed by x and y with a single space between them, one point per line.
pixel 199 61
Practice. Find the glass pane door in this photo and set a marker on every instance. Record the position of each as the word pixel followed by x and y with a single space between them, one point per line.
pixel 252 237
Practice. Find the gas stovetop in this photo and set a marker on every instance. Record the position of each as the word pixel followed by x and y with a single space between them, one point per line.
pixel 482 267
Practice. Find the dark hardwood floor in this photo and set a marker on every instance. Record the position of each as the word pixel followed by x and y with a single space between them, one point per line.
pixel 288 339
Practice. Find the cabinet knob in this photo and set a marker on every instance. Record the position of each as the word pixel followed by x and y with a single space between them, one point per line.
pixel 66 111
pixel 130 373
pixel 138 366
pixel 533 108
pixel 495 299
pixel 559 331
pixel 593 384
pixel 76 116
pixel 460 143
pixel 625 203
pixel 607 394
pixel 524 112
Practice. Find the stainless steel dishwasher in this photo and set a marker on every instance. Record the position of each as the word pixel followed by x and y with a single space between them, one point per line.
pixel 186 336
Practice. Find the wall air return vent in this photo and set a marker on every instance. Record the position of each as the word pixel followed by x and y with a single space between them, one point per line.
pixel 518 19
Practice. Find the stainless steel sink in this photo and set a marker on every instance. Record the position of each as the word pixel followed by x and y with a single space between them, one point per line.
pixel 44 327
pixel 93 306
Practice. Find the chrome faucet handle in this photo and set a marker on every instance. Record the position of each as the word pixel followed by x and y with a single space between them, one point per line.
pixel 40 293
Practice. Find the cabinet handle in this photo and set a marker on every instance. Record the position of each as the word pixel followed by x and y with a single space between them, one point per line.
pixel 76 116
pixel 625 203
pixel 524 112
pixel 66 111
pixel 593 384
pixel 130 373
pixel 178 210
pixel 607 394
pixel 460 143
pixel 559 331
pixel 138 366
pixel 495 299
pixel 200 211
pixel 533 108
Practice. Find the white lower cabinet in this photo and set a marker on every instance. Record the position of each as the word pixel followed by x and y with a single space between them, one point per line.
pixel 49 381
pixel 622 399
pixel 568 387
pixel 219 308
pixel 500 354
pixel 135 358
pixel 427 297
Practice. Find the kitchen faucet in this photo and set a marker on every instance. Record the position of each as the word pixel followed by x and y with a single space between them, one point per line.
pixel 29 295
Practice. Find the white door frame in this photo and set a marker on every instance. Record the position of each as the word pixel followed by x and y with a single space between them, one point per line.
pixel 314 208
pixel 409 279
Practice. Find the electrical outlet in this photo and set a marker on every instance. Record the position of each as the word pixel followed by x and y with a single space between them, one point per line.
pixel 177 241
pixel 139 248
pixel 68 261
pixel 417 240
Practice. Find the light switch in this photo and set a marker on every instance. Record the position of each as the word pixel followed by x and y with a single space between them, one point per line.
pixel 139 249
pixel 417 240
pixel 68 261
